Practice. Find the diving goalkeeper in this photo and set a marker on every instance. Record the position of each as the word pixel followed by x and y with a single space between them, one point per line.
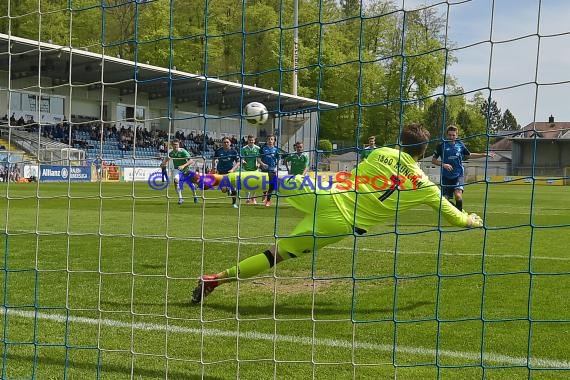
pixel 389 181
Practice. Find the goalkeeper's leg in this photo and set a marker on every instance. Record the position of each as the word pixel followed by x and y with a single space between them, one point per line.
pixel 247 268
pixel 309 235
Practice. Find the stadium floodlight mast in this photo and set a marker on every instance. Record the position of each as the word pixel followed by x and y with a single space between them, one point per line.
pixel 295 44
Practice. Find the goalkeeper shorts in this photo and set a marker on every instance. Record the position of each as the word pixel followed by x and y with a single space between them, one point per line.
pixel 323 223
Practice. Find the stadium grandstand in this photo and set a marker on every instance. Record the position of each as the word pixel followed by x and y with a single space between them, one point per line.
pixel 90 105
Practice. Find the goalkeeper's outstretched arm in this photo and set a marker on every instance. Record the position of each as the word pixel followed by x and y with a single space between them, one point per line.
pixel 452 214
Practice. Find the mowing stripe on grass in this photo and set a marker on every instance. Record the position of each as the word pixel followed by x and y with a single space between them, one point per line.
pixel 334 343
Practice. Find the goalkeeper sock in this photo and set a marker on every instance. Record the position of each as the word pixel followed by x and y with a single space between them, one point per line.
pixel 179 193
pixel 459 204
pixel 251 266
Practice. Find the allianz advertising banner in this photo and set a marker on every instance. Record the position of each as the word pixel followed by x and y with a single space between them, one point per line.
pixel 51 173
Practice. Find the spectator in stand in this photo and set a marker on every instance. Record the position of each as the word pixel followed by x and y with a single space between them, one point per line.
pixel 164 172
pixel 98 162
pixel 15 174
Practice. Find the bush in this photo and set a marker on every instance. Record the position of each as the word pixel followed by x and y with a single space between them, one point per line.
pixel 325 146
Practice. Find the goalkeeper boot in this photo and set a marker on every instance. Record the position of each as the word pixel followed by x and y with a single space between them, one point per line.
pixel 206 285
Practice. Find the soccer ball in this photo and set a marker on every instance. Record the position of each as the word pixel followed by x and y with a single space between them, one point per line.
pixel 255 113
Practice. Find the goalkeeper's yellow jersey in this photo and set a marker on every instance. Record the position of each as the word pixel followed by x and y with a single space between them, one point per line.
pixel 387 182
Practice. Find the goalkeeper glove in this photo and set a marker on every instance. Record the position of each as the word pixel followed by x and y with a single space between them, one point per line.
pixel 203 182
pixel 474 221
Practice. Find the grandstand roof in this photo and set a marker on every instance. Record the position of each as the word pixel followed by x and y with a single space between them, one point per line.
pixel 30 58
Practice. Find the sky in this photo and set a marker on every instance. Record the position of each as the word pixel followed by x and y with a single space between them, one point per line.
pixel 519 49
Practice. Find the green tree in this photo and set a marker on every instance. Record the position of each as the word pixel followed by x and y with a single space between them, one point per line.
pixel 410 50
pixel 378 68
pixel 326 147
pixel 350 7
pixel 472 128
pixel 153 35
pixel 492 113
pixel 33 19
pixel 437 118
pixel 508 121
pixel 464 120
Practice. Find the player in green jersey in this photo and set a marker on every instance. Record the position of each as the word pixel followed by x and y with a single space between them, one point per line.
pixel 299 161
pixel 181 160
pixel 248 163
pixel 364 153
pixel 389 181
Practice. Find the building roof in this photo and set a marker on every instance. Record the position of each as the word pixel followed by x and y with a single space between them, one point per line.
pixel 503 144
pixel 28 58
pixel 551 129
pixel 546 130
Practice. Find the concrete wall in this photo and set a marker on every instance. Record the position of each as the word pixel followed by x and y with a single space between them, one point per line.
pixel 540 157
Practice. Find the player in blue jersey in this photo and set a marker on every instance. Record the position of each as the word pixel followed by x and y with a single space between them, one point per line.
pixel 225 161
pixel 98 162
pixel 452 153
pixel 268 162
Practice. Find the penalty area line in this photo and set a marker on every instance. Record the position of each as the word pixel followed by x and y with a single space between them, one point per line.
pixel 399 252
pixel 474 357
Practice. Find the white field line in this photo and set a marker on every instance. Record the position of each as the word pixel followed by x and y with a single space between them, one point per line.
pixel 400 252
pixel 524 208
pixel 537 211
pixel 474 357
pixel 247 241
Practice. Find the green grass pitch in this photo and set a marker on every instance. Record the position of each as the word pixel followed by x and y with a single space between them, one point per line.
pixel 96 283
